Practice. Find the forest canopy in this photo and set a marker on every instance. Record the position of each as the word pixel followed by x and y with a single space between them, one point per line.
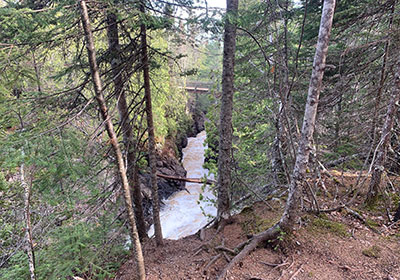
pixel 98 98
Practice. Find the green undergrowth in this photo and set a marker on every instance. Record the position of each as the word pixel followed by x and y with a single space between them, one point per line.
pixel 253 223
pixel 323 224
pixel 371 223
pixel 376 207
pixel 372 252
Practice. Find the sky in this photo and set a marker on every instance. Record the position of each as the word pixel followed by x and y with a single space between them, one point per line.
pixel 222 3
pixel 217 3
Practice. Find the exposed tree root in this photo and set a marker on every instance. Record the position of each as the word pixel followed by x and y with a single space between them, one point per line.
pixel 228 259
pixel 276 265
pixel 222 248
pixel 211 262
pixel 297 272
pixel 252 244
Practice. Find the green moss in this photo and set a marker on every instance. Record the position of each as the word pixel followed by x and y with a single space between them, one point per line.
pixel 375 206
pixel 253 223
pixel 323 223
pixel 371 223
pixel 395 198
pixel 372 252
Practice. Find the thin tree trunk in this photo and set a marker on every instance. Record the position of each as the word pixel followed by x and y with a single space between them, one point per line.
pixel 382 80
pixel 113 138
pixel 292 207
pixel 277 158
pixel 378 167
pixel 125 120
pixel 281 139
pixel 337 121
pixel 150 131
pixel 292 211
pixel 225 130
pixel 28 230
pixel 35 66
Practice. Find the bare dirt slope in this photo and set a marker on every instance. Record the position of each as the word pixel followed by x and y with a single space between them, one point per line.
pixel 328 246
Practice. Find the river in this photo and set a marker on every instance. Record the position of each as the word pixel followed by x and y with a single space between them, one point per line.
pixel 183 214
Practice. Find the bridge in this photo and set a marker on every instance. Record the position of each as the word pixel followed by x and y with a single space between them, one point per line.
pixel 198 87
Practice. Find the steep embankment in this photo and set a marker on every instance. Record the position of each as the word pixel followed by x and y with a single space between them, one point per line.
pixel 337 245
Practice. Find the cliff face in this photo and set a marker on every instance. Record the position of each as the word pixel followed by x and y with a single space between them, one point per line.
pixel 167 164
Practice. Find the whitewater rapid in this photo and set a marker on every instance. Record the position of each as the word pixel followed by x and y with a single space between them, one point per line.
pixel 183 214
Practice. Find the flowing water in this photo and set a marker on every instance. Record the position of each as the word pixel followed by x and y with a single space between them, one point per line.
pixel 183 214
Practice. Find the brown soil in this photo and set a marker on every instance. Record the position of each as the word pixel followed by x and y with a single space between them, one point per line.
pixel 329 246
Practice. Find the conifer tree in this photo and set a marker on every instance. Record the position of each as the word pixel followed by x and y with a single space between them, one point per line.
pixel 225 129
pixel 150 129
pixel 292 211
pixel 98 89
pixel 125 120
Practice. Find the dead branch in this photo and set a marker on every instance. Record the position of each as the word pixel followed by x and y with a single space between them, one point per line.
pixel 189 180
pixel 355 214
pixel 275 265
pixel 200 248
pixel 297 272
pixel 222 248
pixel 228 259
pixel 313 196
pixel 256 194
pixel 211 262
pixel 341 160
pixel 202 234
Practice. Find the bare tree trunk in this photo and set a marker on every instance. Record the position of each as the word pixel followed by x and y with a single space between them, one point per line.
pixel 292 211
pixel 35 66
pixel 150 131
pixel 337 121
pixel 28 230
pixel 378 167
pixel 281 139
pixel 125 120
pixel 292 207
pixel 382 80
pixel 113 138
pixel 277 158
pixel 225 130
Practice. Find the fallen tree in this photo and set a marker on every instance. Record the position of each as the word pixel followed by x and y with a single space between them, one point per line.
pixel 189 180
pixel 292 211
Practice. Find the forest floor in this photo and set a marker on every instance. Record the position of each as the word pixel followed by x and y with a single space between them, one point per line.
pixel 336 245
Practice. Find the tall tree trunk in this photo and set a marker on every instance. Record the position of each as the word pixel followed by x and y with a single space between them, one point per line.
pixel 28 230
pixel 98 89
pixel 225 130
pixel 382 80
pixel 150 131
pixel 292 206
pixel 337 121
pixel 378 167
pixel 125 120
pixel 292 211
pixel 281 137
